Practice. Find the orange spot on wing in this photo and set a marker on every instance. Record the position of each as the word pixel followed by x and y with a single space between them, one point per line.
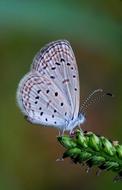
pixel 64 81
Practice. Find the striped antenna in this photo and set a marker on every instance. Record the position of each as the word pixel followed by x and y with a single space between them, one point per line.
pixel 94 97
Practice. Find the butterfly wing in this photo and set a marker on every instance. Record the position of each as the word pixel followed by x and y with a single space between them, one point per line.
pixel 57 62
pixel 41 101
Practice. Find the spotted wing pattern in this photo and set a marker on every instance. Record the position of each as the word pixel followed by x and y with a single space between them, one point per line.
pixel 57 61
pixel 49 93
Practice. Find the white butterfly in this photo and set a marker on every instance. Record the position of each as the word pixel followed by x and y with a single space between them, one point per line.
pixel 49 93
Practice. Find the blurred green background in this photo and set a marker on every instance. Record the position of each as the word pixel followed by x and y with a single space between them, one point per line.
pixel 28 153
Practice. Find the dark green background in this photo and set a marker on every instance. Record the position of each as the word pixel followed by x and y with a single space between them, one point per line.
pixel 28 153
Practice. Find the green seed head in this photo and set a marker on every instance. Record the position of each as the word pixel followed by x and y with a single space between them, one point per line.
pixel 73 153
pixel 94 141
pixel 96 160
pixel 80 139
pixel 107 146
pixel 67 142
pixel 119 150
pixel 92 150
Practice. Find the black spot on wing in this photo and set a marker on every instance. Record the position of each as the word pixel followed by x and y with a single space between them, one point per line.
pixel 62 103
pixel 57 63
pixel 52 77
pixel 53 68
pixel 56 93
pixel 41 113
pixel 47 91
pixel 37 97
pixel 62 60
pixel 38 91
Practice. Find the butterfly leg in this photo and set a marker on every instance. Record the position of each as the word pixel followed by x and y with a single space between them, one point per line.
pixel 79 127
pixel 61 132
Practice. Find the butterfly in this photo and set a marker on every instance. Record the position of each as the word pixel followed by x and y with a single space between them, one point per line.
pixel 49 94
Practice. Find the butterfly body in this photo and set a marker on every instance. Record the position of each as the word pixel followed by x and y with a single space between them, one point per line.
pixel 49 93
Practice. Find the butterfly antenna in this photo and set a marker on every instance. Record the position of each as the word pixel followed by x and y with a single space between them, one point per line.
pixel 94 97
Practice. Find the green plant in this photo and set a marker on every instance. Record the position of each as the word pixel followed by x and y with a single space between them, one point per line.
pixel 89 149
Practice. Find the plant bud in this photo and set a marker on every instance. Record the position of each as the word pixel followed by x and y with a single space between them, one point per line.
pixel 73 153
pixel 94 141
pixel 95 160
pixel 107 146
pixel 119 150
pixel 80 138
pixel 67 142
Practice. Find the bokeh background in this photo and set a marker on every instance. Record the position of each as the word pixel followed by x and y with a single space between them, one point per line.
pixel 28 153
